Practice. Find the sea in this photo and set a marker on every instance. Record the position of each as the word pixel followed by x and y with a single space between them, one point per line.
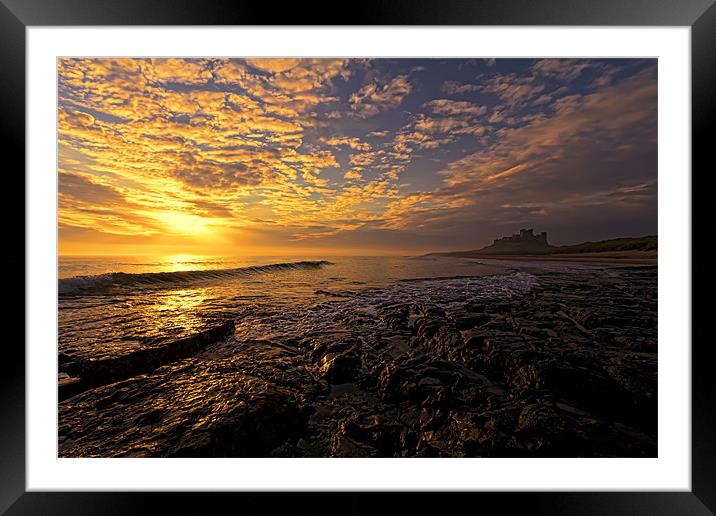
pixel 115 305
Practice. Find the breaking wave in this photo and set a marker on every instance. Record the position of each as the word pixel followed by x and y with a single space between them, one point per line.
pixel 102 282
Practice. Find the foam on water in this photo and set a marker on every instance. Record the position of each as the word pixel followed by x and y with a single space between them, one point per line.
pixel 326 316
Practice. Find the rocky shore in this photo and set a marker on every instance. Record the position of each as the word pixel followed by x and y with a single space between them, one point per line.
pixel 567 368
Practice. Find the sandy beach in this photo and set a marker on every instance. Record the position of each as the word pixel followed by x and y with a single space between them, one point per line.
pixel 617 258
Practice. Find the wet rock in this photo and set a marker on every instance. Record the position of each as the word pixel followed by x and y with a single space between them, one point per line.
pixel 203 406
pixel 565 368
pixel 475 434
pixel 248 429
pixel 387 437
pixel 395 318
pixel 439 384
pixel 330 343
pixel 437 334
pixel 93 372
pixel 560 430
pixel 343 446
pixel 464 319
pixel 636 377
pixel 395 345
pixel 339 367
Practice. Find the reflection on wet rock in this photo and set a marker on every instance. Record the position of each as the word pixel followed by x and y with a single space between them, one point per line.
pixel 90 372
pixel 246 404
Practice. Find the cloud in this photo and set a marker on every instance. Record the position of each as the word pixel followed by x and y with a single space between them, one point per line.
pixel 511 88
pixel 274 65
pixel 455 108
pixel 207 173
pixel 448 120
pixel 79 187
pixel 177 71
pixel 595 151
pixel 562 69
pixel 84 203
pixel 212 150
pixel 456 88
pixel 77 118
pixel 344 141
pixel 375 97
pixel 166 131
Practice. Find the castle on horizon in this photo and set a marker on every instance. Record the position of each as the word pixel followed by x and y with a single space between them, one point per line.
pixel 525 236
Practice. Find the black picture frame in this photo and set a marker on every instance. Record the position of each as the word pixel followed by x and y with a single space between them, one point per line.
pixel 17 15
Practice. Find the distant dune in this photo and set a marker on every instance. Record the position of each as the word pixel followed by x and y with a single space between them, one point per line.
pixel 645 243
pixel 633 251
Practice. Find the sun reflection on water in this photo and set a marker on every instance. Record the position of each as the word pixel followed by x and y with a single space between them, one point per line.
pixel 186 262
pixel 181 305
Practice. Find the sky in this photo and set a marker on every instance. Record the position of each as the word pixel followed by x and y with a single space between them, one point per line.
pixel 269 157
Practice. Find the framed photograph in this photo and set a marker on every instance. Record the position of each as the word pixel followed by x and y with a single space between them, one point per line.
pixel 440 248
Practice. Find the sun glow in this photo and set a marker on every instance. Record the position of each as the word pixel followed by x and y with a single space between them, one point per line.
pixel 187 262
pixel 184 223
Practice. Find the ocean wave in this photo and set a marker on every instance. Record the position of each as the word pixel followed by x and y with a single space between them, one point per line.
pixel 102 282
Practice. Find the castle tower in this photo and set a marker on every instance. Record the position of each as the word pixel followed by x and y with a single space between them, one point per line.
pixel 525 236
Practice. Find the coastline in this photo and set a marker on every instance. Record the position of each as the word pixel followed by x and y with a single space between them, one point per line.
pixel 624 258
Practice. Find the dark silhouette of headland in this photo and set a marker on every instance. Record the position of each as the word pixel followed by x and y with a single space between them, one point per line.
pixel 528 245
